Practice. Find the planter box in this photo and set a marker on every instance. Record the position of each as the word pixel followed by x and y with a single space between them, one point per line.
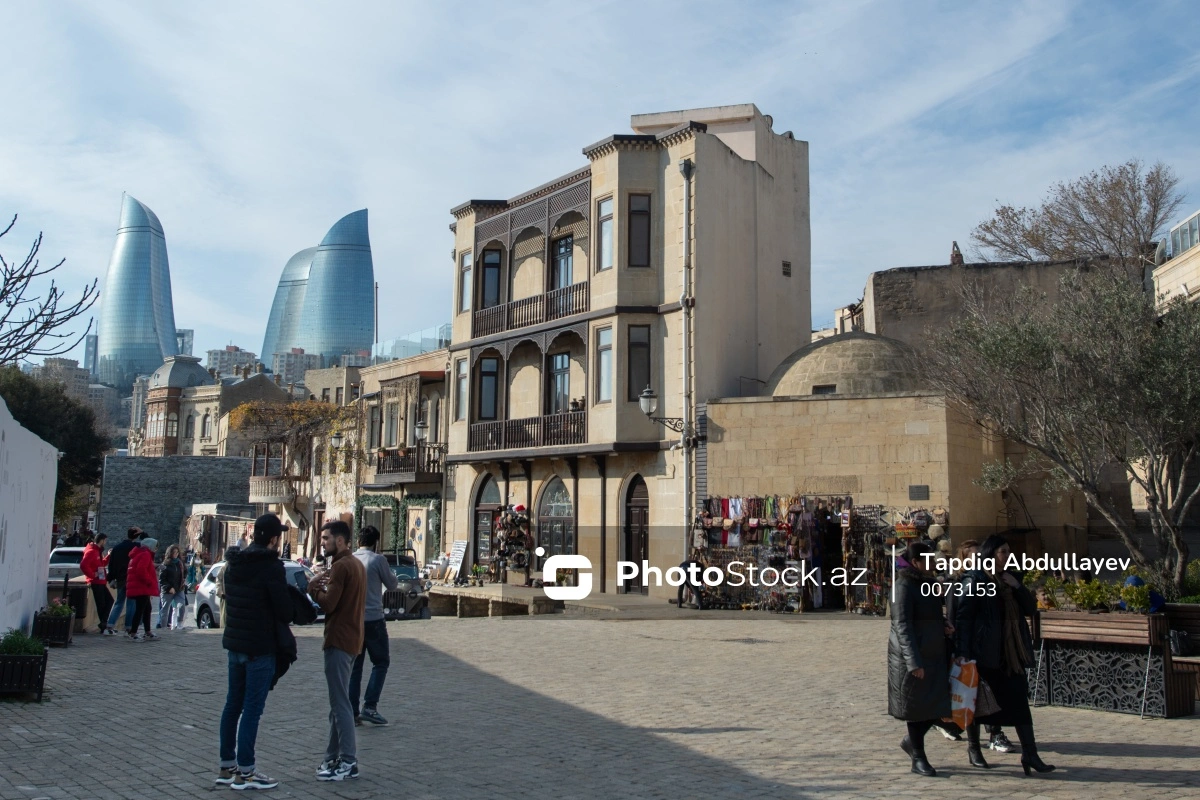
pixel 23 673
pixel 54 630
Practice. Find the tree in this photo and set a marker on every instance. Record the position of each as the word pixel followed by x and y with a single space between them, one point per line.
pixel 1115 210
pixel 33 324
pixel 1100 376
pixel 47 411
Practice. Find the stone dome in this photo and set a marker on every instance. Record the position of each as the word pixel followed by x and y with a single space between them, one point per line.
pixel 849 364
pixel 180 372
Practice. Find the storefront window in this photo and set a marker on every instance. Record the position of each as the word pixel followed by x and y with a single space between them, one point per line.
pixel 556 520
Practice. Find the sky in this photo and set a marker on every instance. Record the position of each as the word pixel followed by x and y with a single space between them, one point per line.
pixel 250 128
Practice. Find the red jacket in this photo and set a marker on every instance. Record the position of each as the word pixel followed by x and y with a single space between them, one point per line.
pixel 141 581
pixel 91 564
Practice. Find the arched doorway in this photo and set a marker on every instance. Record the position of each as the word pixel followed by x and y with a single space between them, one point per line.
pixel 487 505
pixel 556 520
pixel 637 531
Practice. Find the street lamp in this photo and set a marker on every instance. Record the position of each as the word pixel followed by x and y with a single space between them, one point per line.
pixel 648 402
pixel 421 429
pixel 336 440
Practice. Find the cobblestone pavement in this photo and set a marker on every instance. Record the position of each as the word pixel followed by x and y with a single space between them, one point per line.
pixel 700 706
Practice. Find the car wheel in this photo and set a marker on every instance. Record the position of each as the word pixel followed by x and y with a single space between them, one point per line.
pixel 425 612
pixel 204 618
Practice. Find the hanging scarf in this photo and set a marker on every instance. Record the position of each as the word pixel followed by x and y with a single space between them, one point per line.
pixel 1016 655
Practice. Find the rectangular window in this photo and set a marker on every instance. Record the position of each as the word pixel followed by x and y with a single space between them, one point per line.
pixel 639 230
pixel 339 397
pixel 825 388
pixel 491 279
pixel 391 425
pixel 489 383
pixel 324 395
pixel 375 432
pixel 639 360
pixel 560 383
pixel 604 365
pixel 464 283
pixel 787 269
pixel 561 263
pixel 604 233
pixel 460 389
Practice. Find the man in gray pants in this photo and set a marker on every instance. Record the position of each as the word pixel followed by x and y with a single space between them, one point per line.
pixel 342 594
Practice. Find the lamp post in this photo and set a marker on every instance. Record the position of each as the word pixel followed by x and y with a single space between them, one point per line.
pixel 421 430
pixel 648 402
pixel 336 440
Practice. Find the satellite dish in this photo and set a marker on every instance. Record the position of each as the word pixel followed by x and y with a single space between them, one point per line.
pixel 1160 252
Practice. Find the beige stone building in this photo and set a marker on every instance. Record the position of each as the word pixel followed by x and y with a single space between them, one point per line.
pixel 690 234
pixel 1179 275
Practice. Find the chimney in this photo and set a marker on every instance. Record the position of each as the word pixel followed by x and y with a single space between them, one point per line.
pixel 277 376
pixel 258 368
pixel 956 258
pixel 213 372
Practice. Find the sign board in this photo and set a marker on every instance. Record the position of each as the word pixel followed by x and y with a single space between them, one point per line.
pixel 457 551
pixel 416 532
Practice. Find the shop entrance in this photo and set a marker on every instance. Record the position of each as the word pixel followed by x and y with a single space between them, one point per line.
pixel 637 531
pixel 487 504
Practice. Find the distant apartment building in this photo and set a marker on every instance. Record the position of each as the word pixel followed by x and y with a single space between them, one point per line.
pixel 338 385
pixel 67 372
pixel 362 359
pixel 231 360
pixel 291 366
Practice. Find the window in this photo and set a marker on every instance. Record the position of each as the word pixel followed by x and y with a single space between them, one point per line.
pixel 460 389
pixel 338 396
pixel 491 279
pixel 560 263
pixel 787 269
pixel 172 426
pixel 325 395
pixel 375 428
pixel 556 520
pixel 391 424
pixel 560 383
pixel 604 230
pixel 639 360
pixel 604 365
pixel 319 459
pixel 825 388
pixel 189 427
pixel 464 283
pixel 639 230
pixel 489 382
pixel 206 427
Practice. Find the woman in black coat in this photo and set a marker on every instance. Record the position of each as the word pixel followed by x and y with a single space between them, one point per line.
pixel 990 626
pixel 918 664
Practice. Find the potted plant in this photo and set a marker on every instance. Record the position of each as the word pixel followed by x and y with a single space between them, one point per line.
pixel 22 663
pixel 477 573
pixel 55 623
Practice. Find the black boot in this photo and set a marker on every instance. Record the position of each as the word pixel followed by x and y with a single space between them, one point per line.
pixel 914 745
pixel 974 752
pixel 1029 754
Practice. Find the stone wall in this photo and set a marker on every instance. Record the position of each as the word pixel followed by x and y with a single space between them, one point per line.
pixel 156 493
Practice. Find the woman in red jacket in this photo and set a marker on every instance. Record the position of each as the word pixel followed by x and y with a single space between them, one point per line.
pixel 141 583
pixel 95 565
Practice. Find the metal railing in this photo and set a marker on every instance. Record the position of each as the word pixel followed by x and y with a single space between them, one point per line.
pixel 546 431
pixel 422 457
pixel 556 304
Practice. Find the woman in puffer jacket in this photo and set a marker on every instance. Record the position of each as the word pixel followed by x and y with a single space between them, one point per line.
pixel 918 665
pixel 141 583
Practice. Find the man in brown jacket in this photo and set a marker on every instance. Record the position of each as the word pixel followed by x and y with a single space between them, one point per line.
pixel 342 594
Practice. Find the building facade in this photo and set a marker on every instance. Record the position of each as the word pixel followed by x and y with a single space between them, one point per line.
pixel 1179 274
pixel 287 310
pixel 292 365
pixel 231 359
pixel 65 371
pixel 136 331
pixel 676 259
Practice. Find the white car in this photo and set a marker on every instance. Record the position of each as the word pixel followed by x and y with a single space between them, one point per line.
pixel 64 562
pixel 208 605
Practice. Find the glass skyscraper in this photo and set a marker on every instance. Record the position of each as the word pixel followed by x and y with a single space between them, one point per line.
pixel 325 303
pixel 137 320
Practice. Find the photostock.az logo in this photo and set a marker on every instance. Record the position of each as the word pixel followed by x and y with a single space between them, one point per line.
pixel 550 572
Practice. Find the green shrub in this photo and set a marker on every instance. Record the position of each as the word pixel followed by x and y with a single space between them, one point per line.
pixel 1136 598
pixel 18 643
pixel 57 608
pixel 1192 598
pixel 1191 580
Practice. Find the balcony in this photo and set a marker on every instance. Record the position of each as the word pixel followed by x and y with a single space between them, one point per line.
pixel 552 430
pixel 419 464
pixel 271 489
pixel 565 302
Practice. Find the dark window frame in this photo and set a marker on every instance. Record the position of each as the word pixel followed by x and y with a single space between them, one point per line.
pixel 496 268
pixel 553 373
pixel 601 219
pixel 636 219
pixel 462 376
pixel 600 350
pixel 495 396
pixel 557 259
pixel 636 384
pixel 824 388
pixel 466 288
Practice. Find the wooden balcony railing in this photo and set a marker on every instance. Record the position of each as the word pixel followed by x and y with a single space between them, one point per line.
pixel 546 431
pixel 528 311
pixel 421 458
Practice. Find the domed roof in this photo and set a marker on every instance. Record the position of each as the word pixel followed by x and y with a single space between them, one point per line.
pixel 180 372
pixel 852 363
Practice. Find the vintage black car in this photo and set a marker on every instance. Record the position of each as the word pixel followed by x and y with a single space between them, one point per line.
pixel 411 599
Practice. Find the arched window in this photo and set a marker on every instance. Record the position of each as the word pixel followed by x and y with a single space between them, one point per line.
pixel 556 520
pixel 172 426
pixel 486 507
pixel 206 426
pixel 189 427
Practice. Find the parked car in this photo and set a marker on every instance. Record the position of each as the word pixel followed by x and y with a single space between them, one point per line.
pixel 64 562
pixel 410 600
pixel 208 604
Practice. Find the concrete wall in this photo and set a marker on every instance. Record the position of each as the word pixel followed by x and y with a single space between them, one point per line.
pixel 28 479
pixel 155 493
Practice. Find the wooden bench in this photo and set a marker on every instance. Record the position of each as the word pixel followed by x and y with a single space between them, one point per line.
pixel 1186 617
pixel 1127 630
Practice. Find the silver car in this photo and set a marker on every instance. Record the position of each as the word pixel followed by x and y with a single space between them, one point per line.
pixel 64 562
pixel 208 604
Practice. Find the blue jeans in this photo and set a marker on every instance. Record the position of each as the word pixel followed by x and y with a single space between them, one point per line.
pixel 249 681
pixel 375 645
pixel 123 603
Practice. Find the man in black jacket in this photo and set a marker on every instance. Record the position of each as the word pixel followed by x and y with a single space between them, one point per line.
pixel 255 600
pixel 118 567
